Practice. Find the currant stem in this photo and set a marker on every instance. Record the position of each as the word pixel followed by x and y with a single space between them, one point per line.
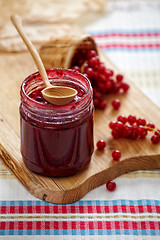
pixel 152 129
pixel 82 67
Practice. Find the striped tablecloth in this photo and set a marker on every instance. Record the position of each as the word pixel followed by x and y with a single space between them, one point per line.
pixel 129 34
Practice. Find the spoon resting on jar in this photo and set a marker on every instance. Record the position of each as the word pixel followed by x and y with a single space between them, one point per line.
pixel 58 95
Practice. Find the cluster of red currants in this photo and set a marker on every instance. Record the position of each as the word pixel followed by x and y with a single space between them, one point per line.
pixel 133 128
pixel 103 80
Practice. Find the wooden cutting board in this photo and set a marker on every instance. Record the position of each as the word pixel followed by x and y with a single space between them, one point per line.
pixel 136 155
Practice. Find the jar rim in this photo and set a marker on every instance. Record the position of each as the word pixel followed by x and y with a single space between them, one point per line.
pixel 50 107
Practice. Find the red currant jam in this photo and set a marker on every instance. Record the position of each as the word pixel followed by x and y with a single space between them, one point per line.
pixel 56 140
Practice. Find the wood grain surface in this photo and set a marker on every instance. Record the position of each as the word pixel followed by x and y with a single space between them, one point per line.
pixel 136 155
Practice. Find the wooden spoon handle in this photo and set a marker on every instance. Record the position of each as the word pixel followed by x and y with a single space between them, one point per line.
pixel 18 24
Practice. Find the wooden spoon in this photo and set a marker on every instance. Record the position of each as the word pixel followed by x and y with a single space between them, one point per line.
pixel 58 95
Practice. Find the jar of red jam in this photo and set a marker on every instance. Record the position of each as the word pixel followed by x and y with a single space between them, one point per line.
pixel 56 140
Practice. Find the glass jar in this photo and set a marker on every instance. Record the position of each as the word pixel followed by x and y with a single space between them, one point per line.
pixel 56 140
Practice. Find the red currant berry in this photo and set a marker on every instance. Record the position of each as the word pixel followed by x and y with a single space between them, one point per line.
pixel 122 119
pixel 111 185
pixel 116 154
pixel 89 72
pixel 101 144
pixel 134 134
pixel 131 119
pixel 157 132
pixel 119 77
pixel 101 86
pixel 141 131
pixel 141 121
pixel 103 104
pixel 112 124
pixel 101 68
pixel 95 76
pixel 155 139
pixel 115 134
pixel 108 85
pixel 93 62
pixel 91 53
pixel 96 102
pixel 108 73
pixel 125 87
pixel 150 126
pixel 97 94
pixel 76 68
pixel 127 131
pixel 116 104
pixel 116 88
pixel 102 78
pixel 119 127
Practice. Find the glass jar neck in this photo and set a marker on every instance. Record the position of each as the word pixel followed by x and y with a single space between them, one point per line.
pixel 49 114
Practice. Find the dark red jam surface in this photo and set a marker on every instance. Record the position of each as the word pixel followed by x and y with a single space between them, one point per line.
pixel 55 140
pixel 37 95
